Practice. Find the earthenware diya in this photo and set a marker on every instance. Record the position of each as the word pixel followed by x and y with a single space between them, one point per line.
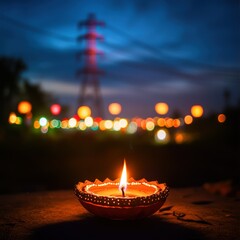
pixel 122 199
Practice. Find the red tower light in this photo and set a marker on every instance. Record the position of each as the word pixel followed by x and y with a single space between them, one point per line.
pixel 90 94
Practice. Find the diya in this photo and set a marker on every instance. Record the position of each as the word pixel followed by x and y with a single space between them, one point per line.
pixel 122 200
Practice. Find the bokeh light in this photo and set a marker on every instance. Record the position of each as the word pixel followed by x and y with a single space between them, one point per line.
pixel 84 111
pixel 116 126
pixel 123 123
pixel 24 107
pixel 161 108
pixel 82 126
pixel 188 119
pixel 43 121
pixel 150 125
pixel 88 121
pixel 72 122
pixel 36 124
pixel 197 111
pixel 114 108
pixel 108 124
pixel 12 118
pixel 55 109
pixel 221 118
pixel 162 136
pixel 132 128
pixel 179 138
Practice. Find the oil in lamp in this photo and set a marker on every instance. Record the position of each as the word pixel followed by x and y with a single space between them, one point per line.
pixel 124 199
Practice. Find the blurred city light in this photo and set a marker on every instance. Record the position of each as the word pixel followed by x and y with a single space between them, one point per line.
pixel 161 122
pixel 88 121
pixel 123 123
pixel 116 126
pixel 82 126
pixel 132 128
pixel 108 124
pixel 72 122
pixel 36 124
pixel 150 125
pixel 188 119
pixel 221 118
pixel 162 136
pixel 24 107
pixel 12 118
pixel 197 111
pixel 114 108
pixel 84 111
pixel 64 124
pixel 179 138
pixel 161 108
pixel 43 121
pixel 55 109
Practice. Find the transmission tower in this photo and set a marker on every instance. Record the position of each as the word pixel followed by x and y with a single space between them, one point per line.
pixel 90 93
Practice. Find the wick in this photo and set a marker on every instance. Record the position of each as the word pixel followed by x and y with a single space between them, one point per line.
pixel 123 193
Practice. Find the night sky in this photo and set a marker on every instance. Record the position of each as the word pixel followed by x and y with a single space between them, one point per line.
pixel 179 52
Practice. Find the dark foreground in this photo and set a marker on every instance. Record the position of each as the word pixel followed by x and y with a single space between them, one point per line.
pixel 188 213
pixel 55 162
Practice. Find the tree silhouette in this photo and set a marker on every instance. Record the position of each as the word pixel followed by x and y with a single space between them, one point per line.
pixel 39 99
pixel 10 76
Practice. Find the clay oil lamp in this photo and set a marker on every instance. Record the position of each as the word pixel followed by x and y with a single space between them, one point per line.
pixel 124 199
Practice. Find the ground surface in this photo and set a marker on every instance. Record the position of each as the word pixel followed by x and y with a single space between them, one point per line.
pixel 189 213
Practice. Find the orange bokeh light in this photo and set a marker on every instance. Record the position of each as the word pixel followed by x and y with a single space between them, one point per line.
pixel 114 108
pixel 24 107
pixel 161 108
pixel 221 118
pixel 197 111
pixel 188 119
pixel 84 111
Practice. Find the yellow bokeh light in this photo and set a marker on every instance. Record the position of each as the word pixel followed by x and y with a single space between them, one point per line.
pixel 82 126
pixel 102 125
pixel 114 108
pixel 197 111
pixel 18 120
pixel 72 122
pixel 84 111
pixel 123 122
pixel 88 121
pixel 161 108
pixel 12 118
pixel 116 126
pixel 24 107
pixel 150 125
pixel 221 118
pixel 108 124
pixel 188 119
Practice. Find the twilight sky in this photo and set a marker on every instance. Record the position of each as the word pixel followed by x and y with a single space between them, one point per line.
pixel 179 52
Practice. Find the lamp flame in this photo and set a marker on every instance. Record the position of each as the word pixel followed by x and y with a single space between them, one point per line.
pixel 123 180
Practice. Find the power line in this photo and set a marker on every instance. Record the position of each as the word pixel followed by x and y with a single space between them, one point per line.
pixel 35 29
pixel 120 32
pixel 155 52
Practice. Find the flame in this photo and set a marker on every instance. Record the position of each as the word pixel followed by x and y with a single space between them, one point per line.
pixel 123 181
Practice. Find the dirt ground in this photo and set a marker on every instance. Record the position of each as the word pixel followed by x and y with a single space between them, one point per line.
pixel 188 213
